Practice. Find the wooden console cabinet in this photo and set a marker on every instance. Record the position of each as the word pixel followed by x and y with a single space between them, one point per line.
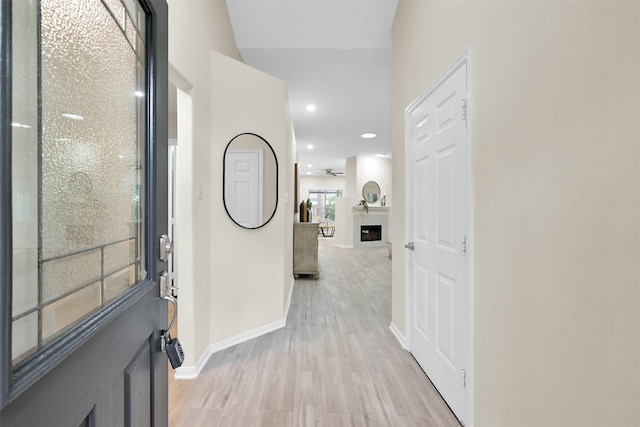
pixel 305 249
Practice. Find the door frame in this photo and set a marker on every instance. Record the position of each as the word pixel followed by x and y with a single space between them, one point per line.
pixel 14 382
pixel 465 58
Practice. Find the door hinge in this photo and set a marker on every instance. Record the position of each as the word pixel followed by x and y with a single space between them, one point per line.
pixel 464 244
pixel 464 109
pixel 464 377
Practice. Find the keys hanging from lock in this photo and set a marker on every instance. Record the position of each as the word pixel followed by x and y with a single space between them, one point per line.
pixel 169 345
pixel 172 347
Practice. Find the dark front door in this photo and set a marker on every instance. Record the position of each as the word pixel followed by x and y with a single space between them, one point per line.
pixel 83 202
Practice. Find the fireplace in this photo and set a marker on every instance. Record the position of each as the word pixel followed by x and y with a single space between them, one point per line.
pixel 370 233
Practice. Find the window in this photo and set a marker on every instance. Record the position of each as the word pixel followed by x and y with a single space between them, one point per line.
pixel 78 132
pixel 324 204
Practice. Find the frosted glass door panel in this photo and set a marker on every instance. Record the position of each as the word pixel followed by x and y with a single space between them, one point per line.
pixel 78 162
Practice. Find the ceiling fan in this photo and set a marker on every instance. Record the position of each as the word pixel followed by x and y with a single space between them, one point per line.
pixel 331 172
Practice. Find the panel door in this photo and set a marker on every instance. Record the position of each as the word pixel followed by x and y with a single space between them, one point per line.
pixel 436 203
pixel 83 201
pixel 243 186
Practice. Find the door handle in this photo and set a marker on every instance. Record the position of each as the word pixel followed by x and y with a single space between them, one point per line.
pixel 168 345
pixel 410 246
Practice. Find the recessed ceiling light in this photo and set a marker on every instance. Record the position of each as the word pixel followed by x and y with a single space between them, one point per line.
pixel 308 173
pixel 311 108
pixel 72 116
pixel 309 165
pixel 368 135
pixel 309 147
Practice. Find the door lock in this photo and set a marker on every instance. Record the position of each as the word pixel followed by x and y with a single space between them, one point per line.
pixel 166 247
pixel 410 246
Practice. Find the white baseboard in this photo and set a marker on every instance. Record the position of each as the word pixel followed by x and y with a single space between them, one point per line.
pixel 192 372
pixel 286 309
pixel 396 332
pixel 344 246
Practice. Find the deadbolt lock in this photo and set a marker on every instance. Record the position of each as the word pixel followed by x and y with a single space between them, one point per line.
pixel 166 247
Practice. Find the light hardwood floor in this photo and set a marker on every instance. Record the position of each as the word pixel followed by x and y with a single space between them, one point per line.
pixel 336 363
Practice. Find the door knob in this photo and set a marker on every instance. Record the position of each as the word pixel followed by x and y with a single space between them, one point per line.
pixel 410 246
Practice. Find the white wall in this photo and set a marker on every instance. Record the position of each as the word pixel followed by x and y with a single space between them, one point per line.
pixel 362 169
pixel 219 297
pixel 557 200
pixel 308 182
pixel 351 172
pixel 343 235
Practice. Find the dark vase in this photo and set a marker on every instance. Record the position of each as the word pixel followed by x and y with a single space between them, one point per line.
pixel 303 212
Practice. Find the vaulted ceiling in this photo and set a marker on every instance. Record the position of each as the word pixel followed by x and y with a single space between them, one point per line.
pixel 334 54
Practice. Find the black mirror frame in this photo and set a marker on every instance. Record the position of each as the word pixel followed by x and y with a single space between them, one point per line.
pixel 224 201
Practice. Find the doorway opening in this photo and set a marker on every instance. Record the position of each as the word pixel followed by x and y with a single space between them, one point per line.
pixel 179 193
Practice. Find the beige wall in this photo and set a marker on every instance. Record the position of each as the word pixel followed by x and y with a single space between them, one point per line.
pixel 196 27
pixel 248 276
pixel 219 297
pixel 557 200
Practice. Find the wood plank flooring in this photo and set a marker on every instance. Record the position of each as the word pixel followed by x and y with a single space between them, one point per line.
pixel 336 363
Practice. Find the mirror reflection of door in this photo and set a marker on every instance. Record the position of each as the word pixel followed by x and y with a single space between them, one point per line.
pixel 243 186
pixel 250 177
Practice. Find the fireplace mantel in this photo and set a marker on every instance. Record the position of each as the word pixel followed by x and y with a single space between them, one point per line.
pixel 373 208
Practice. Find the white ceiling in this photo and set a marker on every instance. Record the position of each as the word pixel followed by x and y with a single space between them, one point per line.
pixel 335 54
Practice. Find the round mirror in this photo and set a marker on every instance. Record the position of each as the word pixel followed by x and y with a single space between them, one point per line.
pixel 250 180
pixel 371 192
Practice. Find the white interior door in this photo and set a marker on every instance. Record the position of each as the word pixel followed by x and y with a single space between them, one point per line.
pixel 243 186
pixel 436 229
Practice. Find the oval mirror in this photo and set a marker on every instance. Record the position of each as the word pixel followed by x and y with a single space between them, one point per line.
pixel 371 192
pixel 250 180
